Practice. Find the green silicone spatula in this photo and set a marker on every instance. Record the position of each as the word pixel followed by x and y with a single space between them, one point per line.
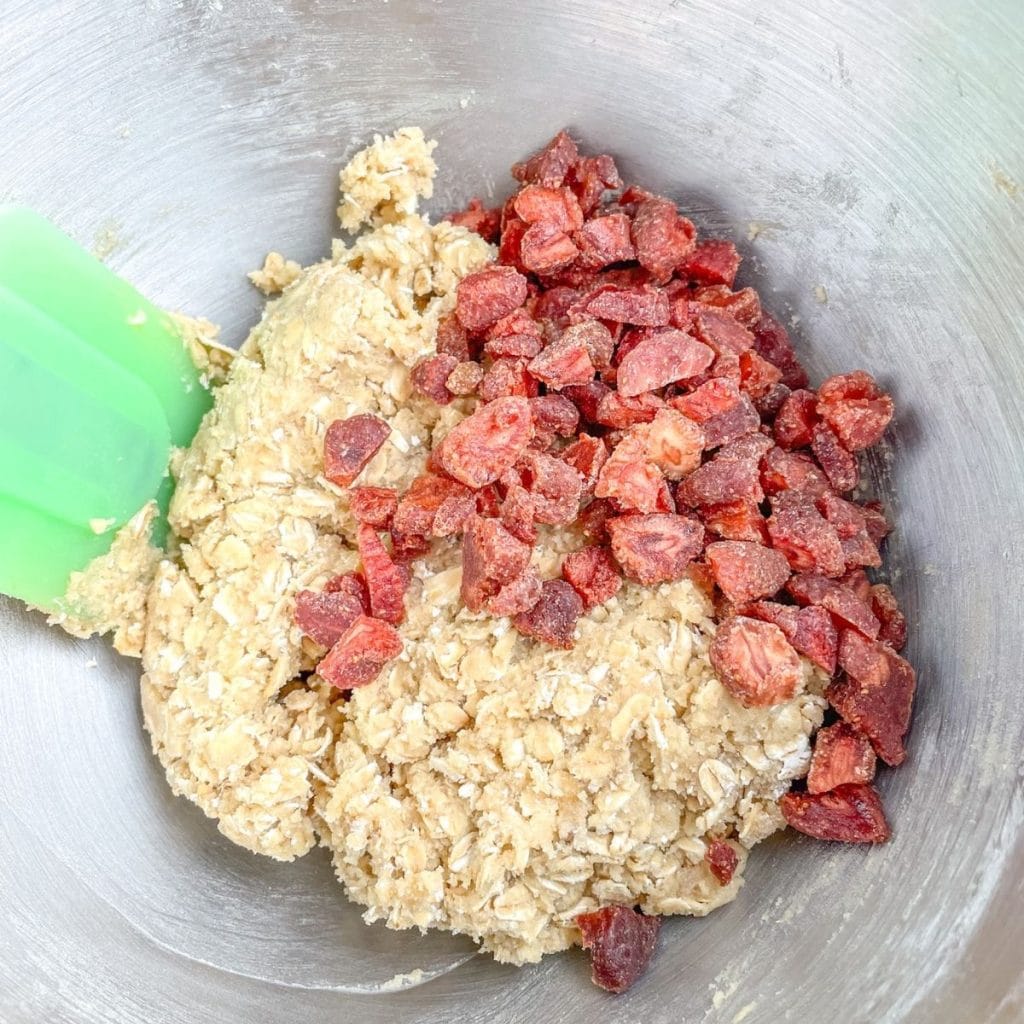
pixel 95 388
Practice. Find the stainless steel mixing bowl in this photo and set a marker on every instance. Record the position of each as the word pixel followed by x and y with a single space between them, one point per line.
pixel 866 156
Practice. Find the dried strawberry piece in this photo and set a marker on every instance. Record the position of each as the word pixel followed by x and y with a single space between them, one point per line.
pixel 731 475
pixel 514 346
pixel 662 355
pixel 374 506
pixel 453 514
pixel 744 306
pixel 418 506
pixel 517 597
pixel 621 943
pixel 816 637
pixel 554 304
pixel 755 662
pixel 590 177
pixel 507 378
pixel 616 410
pixel 555 486
pixel 491 558
pixel 541 204
pixel 350 444
pixel 856 409
pixel 722 860
pixel 845 516
pixel 860 551
pixel 324 617
pixel 593 520
pixel 587 398
pixel 856 581
pixel 485 221
pixel 593 573
pixel 804 536
pixel 484 297
pixel 843 604
pixel 465 378
pixel 554 414
pixel 429 376
pixel 875 523
pixel 771 340
pixel 745 570
pixel 385 581
pixel 719 406
pixel 842 755
pixel 768 404
pixel 713 262
pixel 664 239
pixel 597 339
pixel 642 306
pixel 351 583
pixel 510 246
pixel 604 240
pixel 848 814
pixel 758 377
pixel 517 514
pixel 586 455
pixel 838 464
pixel 452 339
pixel 553 618
pixel 672 442
pixel 736 520
pixel 791 471
pixel 565 362
pixel 407 547
pixel 722 332
pixel 796 419
pixel 893 631
pixel 875 694
pixel 549 165
pixel 655 548
pixel 360 653
pixel 544 249
pixel 480 448
pixel 630 479
pixel 782 615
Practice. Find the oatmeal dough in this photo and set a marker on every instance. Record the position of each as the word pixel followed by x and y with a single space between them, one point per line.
pixel 486 783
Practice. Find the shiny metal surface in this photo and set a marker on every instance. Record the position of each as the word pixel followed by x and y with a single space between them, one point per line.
pixel 869 158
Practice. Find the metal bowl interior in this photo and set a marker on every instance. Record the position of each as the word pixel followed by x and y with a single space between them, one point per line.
pixel 866 158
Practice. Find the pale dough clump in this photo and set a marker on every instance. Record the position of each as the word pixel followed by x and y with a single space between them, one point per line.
pixel 485 784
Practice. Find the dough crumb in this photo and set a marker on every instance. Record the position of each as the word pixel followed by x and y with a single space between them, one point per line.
pixel 275 275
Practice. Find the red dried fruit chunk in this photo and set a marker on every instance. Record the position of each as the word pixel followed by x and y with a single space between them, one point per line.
pixel 476 217
pixel 518 596
pixel 349 583
pixel 566 361
pixel 555 486
pixel 860 551
pixel 745 570
pixel 360 653
pixel 541 204
pixel 323 617
pixel 893 631
pixel 483 298
pixel 771 340
pixel 593 574
pixel 856 409
pixel 758 377
pixel 768 404
pixel 796 419
pixel 430 375
pixel 594 518
pixel 517 514
pixel 663 238
pixel 550 165
pixel 851 525
pixel 630 479
pixel 725 413
pixel 731 475
pixel 876 693
pixel 385 581
pixel 545 249
pixel 857 581
pixel 465 378
pixel 509 247
pixel 792 471
pixel 507 378
pixel 642 305
pixel 374 506
pixel 452 339
pixel 816 637
pixel 661 356
pixel 418 506
pixel 621 943
pixel 587 398
pixel 615 410
pixel 597 339
pixel 736 520
pixel 804 536
pixel 553 618
pixel 350 444
pixel 848 609
pixel 405 547
pixel 453 513
pixel 744 305
pixel 554 414
pixel 848 814
pixel 514 346
pixel 842 755
pixel 838 464
pixel 604 240
pixel 875 522
pixel 722 332
pixel 480 448
pixel 722 860
pixel 590 177
pixel 755 662
pixel 782 615
pixel 655 548
pixel 586 455
pixel 713 262
pixel 491 558
pixel 672 442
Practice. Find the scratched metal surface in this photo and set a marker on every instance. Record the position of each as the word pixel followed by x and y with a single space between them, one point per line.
pixel 876 148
